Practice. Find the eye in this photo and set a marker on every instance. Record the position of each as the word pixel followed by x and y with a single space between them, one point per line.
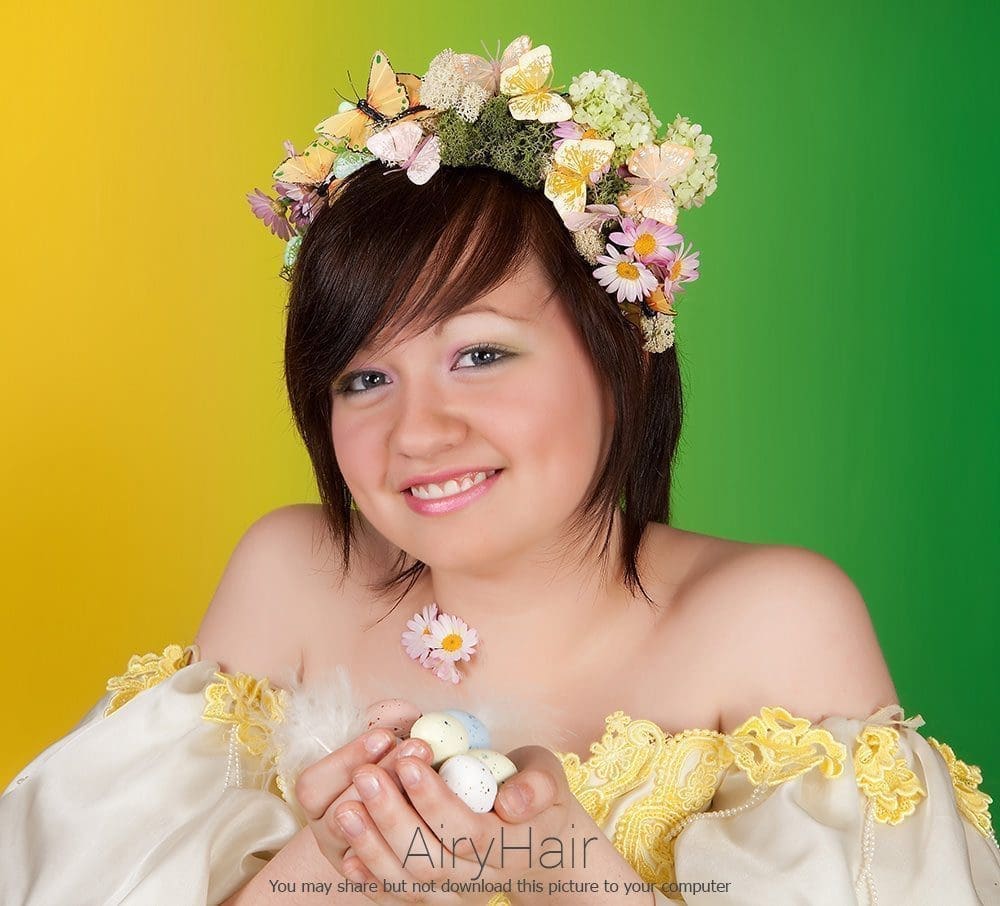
pixel 348 385
pixel 487 350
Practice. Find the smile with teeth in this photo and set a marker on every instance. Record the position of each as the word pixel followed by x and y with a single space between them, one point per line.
pixel 450 487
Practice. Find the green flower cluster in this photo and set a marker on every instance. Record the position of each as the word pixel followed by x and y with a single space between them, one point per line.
pixel 616 108
pixel 521 148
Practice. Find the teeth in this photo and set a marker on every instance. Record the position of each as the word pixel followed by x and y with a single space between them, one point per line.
pixel 450 487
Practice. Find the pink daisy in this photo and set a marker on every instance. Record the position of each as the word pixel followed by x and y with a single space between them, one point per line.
pixel 272 212
pixel 679 267
pixel 623 275
pixel 649 240
pixel 417 637
pixel 445 670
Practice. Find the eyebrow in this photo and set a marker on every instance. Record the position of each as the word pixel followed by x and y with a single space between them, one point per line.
pixel 475 308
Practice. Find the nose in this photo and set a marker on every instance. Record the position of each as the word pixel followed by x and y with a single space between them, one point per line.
pixel 426 423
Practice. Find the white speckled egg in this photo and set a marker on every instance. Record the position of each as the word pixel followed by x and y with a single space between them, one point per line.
pixel 499 765
pixel 479 736
pixel 395 714
pixel 444 733
pixel 470 780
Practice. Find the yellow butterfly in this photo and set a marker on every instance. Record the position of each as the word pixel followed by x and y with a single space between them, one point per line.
pixel 486 73
pixel 526 82
pixel 573 163
pixel 390 96
pixel 652 166
pixel 313 167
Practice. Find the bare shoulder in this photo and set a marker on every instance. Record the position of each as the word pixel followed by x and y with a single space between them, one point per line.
pixel 788 628
pixel 255 621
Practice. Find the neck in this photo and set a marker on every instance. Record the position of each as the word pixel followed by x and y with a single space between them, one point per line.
pixel 539 610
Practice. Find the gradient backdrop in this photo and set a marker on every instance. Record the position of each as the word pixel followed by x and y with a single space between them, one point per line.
pixel 839 351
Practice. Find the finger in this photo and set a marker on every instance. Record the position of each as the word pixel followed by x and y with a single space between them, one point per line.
pixel 411 747
pixel 400 826
pixel 468 834
pixel 321 783
pixel 329 831
pixel 369 846
pixel 534 788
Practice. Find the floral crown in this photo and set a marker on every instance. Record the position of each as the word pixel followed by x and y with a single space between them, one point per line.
pixel 594 151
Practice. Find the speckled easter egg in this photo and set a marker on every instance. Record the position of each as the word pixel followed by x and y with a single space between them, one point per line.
pixel 479 736
pixel 499 765
pixel 444 733
pixel 395 714
pixel 470 780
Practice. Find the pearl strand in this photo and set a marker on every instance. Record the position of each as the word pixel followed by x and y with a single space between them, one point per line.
pixel 868 856
pixel 233 762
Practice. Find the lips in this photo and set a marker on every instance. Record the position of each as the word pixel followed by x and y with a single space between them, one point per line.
pixel 439 505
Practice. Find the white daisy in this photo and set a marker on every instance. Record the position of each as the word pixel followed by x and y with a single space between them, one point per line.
pixel 622 274
pixel 452 638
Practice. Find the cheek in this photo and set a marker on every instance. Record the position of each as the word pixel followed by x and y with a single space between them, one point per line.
pixel 554 426
pixel 356 450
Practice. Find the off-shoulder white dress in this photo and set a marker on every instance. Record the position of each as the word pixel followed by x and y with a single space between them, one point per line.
pixel 178 786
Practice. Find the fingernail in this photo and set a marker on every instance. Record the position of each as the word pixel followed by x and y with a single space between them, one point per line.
pixel 515 798
pixel 377 743
pixel 351 823
pixel 367 785
pixel 409 774
pixel 410 747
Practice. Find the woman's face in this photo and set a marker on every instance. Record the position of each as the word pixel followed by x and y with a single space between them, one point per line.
pixel 439 402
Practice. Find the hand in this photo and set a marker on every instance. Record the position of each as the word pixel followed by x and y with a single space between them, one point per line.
pixel 327 785
pixel 421 832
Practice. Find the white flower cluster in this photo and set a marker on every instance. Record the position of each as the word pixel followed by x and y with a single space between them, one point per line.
pixel 444 87
pixel 589 243
pixel 700 180
pixel 616 108
pixel 658 332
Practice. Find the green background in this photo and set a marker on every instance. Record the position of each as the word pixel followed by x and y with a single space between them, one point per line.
pixel 838 351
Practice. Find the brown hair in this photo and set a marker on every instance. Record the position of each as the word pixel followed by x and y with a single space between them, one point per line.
pixel 353 283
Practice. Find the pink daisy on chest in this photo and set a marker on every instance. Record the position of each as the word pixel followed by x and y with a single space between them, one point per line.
pixel 438 641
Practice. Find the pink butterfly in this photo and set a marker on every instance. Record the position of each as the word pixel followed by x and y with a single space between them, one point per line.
pixel 652 167
pixel 485 72
pixel 404 144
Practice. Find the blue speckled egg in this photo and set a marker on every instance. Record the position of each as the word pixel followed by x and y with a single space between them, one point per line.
pixel 479 736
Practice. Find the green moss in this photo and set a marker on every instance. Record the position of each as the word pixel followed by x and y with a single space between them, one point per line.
pixel 608 189
pixel 518 147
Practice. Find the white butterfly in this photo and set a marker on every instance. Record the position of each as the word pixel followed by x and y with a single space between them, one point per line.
pixel 406 145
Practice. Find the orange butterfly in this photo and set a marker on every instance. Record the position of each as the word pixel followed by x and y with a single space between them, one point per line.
pixel 390 96
pixel 652 167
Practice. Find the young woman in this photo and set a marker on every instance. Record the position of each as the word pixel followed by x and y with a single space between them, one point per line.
pixel 688 717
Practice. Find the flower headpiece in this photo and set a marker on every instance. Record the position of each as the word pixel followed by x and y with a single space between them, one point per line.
pixel 594 151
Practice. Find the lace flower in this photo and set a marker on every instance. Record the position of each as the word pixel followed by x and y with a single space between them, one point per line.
pixel 589 243
pixel 658 333
pixel 445 87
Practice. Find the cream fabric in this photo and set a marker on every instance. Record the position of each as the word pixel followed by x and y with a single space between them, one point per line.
pixel 153 804
pixel 134 808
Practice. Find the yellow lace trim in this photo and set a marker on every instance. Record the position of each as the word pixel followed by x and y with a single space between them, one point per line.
pixel 775 747
pixel 145 671
pixel 248 704
pixel 972 802
pixel 686 769
pixel 884 776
